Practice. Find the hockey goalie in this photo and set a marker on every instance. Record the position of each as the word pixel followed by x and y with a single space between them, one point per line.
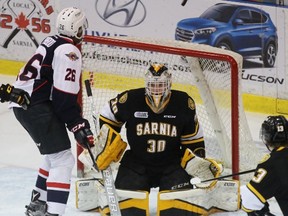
pixel 166 149
pixel 201 199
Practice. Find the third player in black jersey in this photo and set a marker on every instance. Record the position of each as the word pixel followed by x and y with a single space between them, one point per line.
pixel 271 176
pixel 160 124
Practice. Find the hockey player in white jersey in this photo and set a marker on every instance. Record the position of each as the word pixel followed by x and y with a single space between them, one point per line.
pixel 52 79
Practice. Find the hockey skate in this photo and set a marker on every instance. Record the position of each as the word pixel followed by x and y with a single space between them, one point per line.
pixel 36 206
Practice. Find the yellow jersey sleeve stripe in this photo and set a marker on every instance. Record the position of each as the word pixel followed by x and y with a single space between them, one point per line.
pixel 110 122
pixel 193 134
pixel 256 193
pixel 192 141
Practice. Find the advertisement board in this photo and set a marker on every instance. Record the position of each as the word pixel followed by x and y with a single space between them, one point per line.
pixel 256 31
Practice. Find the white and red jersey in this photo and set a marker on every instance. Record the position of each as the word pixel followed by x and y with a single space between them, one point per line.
pixel 53 74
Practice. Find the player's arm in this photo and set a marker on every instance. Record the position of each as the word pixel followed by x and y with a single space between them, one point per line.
pixel 195 139
pixel 250 202
pixel 113 112
pixel 192 136
pixel 67 71
pixel 19 96
pixel 109 145
pixel 254 195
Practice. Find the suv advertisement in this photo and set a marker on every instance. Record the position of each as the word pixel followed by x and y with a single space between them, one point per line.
pixel 246 30
pixel 257 31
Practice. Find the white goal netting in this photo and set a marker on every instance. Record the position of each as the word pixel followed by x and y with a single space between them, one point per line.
pixel 211 76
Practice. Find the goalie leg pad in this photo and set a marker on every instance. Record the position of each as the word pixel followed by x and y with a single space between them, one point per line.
pixel 88 194
pixel 222 197
pixel 111 147
pixel 131 203
pixel 91 196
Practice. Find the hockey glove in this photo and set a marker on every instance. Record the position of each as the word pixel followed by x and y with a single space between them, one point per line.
pixel 19 96
pixel 82 133
pixel 110 147
pixel 203 168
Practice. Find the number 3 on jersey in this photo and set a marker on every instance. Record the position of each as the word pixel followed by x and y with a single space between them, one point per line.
pixel 261 173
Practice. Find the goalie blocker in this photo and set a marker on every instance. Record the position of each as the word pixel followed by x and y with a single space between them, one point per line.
pixel 202 168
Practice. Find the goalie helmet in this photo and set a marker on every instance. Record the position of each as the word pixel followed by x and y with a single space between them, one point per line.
pixel 274 131
pixel 158 87
pixel 71 22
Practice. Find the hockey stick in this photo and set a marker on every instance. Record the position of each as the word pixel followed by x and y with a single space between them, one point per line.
pixel 184 2
pixel 197 180
pixel 107 174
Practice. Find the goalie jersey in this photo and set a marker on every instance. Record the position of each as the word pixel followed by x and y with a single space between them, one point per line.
pixel 155 139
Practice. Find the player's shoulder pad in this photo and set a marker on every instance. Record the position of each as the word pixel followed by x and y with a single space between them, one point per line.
pixel 265 158
pixel 183 97
pixel 131 95
pixel 53 41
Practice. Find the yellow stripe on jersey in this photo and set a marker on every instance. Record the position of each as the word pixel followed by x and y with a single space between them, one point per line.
pixel 186 142
pixel 281 148
pixel 193 134
pixel 110 122
pixel 256 193
pixel 246 210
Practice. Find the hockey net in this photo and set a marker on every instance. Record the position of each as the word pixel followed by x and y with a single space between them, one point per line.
pixel 211 76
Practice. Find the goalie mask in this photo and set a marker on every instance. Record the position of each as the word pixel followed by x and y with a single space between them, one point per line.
pixel 274 131
pixel 158 87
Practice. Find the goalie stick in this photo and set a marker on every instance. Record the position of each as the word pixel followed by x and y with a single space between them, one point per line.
pixel 107 174
pixel 197 180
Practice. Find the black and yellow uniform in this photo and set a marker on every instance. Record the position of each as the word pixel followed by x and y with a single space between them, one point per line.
pixel 270 180
pixel 156 140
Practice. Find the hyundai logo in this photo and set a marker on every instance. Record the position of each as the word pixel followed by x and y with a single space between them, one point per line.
pixel 125 13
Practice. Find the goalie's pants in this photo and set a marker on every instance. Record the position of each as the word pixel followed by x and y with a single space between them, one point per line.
pixel 133 176
pixel 45 128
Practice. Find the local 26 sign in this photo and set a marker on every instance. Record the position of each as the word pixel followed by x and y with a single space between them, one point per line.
pixel 29 16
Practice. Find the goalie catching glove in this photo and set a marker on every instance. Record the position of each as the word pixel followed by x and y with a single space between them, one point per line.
pixel 203 168
pixel 109 148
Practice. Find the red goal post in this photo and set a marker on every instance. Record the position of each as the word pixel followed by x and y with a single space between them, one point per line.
pixel 212 76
